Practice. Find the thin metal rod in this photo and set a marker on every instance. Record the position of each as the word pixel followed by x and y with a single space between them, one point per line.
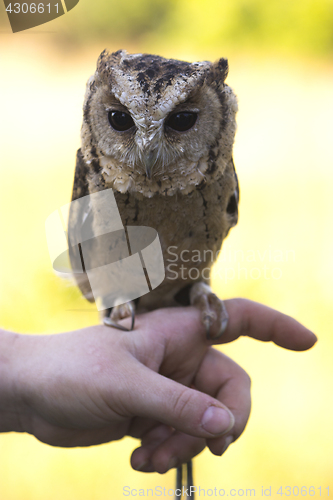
pixel 190 478
pixel 179 480
pixel 182 471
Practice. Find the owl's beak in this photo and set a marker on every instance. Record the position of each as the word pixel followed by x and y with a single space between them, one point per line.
pixel 149 161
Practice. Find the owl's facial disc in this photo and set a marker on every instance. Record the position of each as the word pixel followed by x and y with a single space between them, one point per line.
pixel 179 122
pixel 158 125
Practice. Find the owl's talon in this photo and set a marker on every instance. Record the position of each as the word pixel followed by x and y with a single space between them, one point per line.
pixel 224 323
pixel 133 318
pixel 207 322
pixel 120 312
pixel 214 314
pixel 108 322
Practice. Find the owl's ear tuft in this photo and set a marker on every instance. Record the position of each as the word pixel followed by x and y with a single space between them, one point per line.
pixel 102 60
pixel 107 60
pixel 221 69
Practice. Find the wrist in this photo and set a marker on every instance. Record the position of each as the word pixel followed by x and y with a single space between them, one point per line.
pixel 11 414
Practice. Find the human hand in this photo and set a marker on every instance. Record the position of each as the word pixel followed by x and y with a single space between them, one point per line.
pixel 155 383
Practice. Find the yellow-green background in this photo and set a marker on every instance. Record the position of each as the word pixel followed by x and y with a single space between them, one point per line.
pixel 280 55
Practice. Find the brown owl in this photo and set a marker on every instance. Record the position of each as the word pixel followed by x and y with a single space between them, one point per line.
pixel 160 133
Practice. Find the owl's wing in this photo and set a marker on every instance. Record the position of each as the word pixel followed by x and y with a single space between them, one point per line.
pixel 80 187
pixel 237 183
pixel 232 207
pixel 76 220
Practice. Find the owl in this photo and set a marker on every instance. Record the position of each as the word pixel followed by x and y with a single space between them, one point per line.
pixel 160 133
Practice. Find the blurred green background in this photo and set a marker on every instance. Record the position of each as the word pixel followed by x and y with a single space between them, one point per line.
pixel 280 57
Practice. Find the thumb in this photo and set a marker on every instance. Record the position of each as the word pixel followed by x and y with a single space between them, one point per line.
pixel 187 410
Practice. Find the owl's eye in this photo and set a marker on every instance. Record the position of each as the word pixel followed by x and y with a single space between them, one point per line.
pixel 120 121
pixel 181 121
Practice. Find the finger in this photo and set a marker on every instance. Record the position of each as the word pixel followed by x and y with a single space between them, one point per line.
pixel 156 397
pixel 141 457
pixel 175 450
pixel 156 436
pixel 251 319
pixel 220 377
pixel 163 448
pixel 140 426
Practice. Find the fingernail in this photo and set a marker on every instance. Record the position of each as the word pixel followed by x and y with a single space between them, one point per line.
pixel 224 326
pixel 142 465
pixel 217 420
pixel 172 463
pixel 227 442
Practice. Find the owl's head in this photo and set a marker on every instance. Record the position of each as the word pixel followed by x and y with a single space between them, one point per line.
pixel 154 125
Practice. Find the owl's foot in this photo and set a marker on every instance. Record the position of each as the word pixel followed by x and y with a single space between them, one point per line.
pixel 214 314
pixel 126 310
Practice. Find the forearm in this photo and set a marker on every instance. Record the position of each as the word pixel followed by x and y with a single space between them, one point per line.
pixel 10 405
